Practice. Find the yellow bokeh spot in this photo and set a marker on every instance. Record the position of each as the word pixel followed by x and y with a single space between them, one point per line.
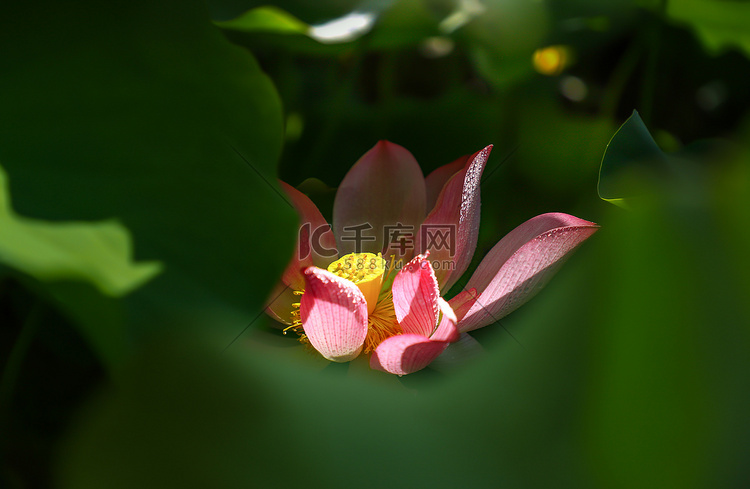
pixel 365 270
pixel 552 60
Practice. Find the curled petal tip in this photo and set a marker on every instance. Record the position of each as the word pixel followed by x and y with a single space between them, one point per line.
pixel 447 330
pixel 415 297
pixel 457 208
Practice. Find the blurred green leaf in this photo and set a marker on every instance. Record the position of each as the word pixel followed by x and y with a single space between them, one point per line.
pixel 502 37
pixel 185 416
pixel 384 25
pixel 268 19
pixel 273 28
pixel 501 71
pixel 101 320
pixel 309 12
pixel 720 25
pixel 99 253
pixel 652 420
pixel 154 119
pixel 631 150
pixel 666 384
pixel 407 23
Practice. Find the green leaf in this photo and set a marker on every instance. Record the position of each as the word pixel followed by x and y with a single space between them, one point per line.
pixel 184 416
pixel 405 24
pixel 384 26
pixel 266 19
pixel 631 150
pixel 720 25
pixel 99 253
pixel 344 30
pixel 154 119
pixel 668 385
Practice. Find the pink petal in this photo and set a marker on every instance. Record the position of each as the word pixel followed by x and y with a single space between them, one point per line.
pixel 436 180
pixel 316 244
pixel 446 330
pixel 457 213
pixel 384 188
pixel 314 241
pixel 406 353
pixel 415 297
pixel 521 264
pixel 463 301
pixel 334 315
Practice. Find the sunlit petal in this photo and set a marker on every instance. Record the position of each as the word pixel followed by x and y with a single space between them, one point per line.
pixel 315 239
pixel 446 330
pixel 437 179
pixel 334 315
pixel 384 188
pixel 456 212
pixel 521 264
pixel 415 297
pixel 406 353
pixel 463 301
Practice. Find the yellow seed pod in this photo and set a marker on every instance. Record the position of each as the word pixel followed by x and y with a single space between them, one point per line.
pixel 365 270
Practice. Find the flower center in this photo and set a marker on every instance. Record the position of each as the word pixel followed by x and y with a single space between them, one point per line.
pixel 365 270
pixel 369 272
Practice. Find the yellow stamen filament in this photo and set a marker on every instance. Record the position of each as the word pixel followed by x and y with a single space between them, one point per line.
pixel 381 324
pixel 296 326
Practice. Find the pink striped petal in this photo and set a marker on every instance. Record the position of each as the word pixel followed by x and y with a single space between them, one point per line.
pixel 316 244
pixel 406 353
pixel 463 301
pixel 334 315
pixel 456 213
pixel 314 240
pixel 521 264
pixel 436 180
pixel 415 297
pixel 446 330
pixel 384 188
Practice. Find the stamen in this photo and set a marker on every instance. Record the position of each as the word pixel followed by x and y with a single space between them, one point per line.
pixel 388 276
pixel 381 324
pixel 296 326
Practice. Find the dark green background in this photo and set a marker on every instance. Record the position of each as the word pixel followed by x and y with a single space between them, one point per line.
pixel 629 370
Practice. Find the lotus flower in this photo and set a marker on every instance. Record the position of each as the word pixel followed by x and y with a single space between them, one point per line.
pixel 363 302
